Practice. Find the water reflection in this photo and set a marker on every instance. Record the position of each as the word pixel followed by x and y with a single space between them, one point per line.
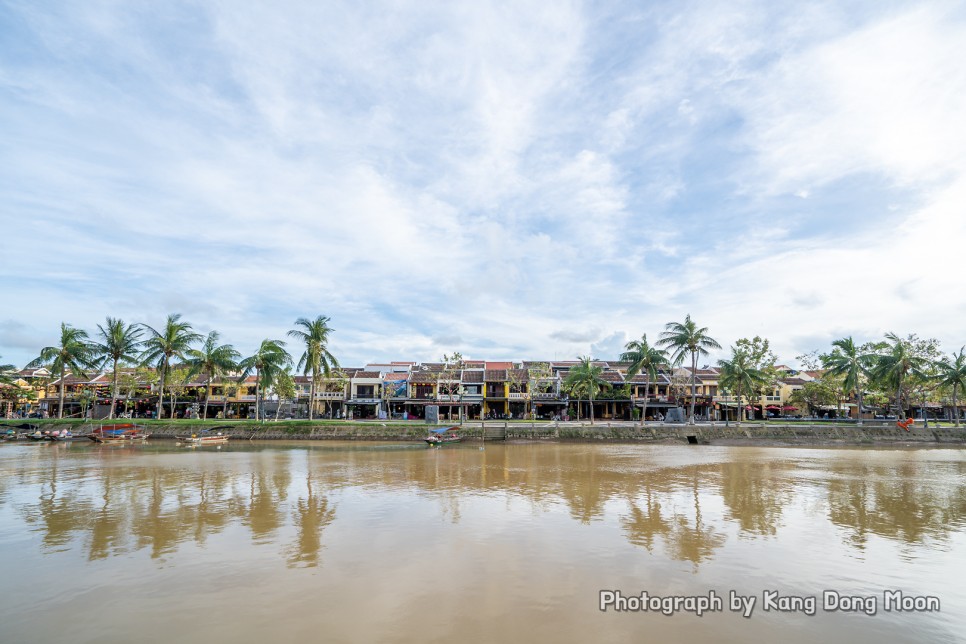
pixel 680 503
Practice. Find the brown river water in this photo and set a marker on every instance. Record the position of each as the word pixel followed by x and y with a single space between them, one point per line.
pixel 371 542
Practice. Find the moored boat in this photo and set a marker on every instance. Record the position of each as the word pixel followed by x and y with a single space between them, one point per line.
pixel 204 439
pixel 118 433
pixel 443 436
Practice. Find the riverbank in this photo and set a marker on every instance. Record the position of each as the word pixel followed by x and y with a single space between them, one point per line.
pixel 705 434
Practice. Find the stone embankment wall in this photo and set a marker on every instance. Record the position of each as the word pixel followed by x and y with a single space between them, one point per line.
pixel 713 434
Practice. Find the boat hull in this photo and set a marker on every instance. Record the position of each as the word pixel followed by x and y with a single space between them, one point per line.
pixel 443 441
pixel 202 440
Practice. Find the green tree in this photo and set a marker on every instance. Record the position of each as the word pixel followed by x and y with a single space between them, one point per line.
pixel 213 360
pixel 685 338
pixel 644 359
pixel 740 375
pixel 902 358
pixel 7 372
pixel 173 341
pixel 72 354
pixel 284 388
pixel 116 343
pixel 270 358
pixel 584 379
pixel 449 383
pixel 952 373
pixel 316 359
pixel 849 362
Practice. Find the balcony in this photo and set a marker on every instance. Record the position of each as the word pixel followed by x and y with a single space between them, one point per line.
pixel 448 397
pixel 545 395
pixel 329 395
pixel 518 395
pixel 245 398
pixel 726 399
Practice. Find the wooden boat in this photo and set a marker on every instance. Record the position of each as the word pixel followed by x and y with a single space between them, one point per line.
pixel 20 432
pixel 64 436
pixel 118 433
pixel 443 436
pixel 205 439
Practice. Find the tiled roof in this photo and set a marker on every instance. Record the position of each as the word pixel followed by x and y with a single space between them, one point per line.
pixel 793 381
pixel 367 374
pixel 612 376
pixel 423 376
pixel 520 375
pixel 472 375
pixel 495 375
pixel 498 366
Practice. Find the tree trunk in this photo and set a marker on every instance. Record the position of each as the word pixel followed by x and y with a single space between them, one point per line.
pixel 60 410
pixel 161 392
pixel 591 407
pixel 211 379
pixel 858 395
pixel 694 371
pixel 257 396
pixel 955 408
pixel 738 408
pixel 312 396
pixel 110 415
pixel 647 387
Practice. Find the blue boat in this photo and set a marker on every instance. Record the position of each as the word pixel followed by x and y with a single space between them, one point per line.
pixel 442 436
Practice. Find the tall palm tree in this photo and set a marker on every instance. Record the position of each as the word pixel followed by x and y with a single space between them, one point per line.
pixel 644 359
pixel 316 360
pixel 174 340
pixel 848 362
pixel 952 373
pixel 72 353
pixel 898 363
pixel 739 375
pixel 270 358
pixel 115 343
pixel 685 338
pixel 213 360
pixel 585 379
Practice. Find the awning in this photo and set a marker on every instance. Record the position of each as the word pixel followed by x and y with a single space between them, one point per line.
pixel 773 407
pixel 789 408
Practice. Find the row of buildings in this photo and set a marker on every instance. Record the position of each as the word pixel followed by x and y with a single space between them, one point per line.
pixel 471 390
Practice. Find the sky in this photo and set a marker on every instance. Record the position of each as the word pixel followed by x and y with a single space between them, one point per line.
pixel 510 180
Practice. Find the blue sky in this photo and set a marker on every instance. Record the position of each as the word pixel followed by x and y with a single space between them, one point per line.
pixel 510 180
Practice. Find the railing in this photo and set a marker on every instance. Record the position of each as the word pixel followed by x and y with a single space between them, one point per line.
pixel 544 395
pixel 516 395
pixel 728 399
pixel 329 395
pixel 245 398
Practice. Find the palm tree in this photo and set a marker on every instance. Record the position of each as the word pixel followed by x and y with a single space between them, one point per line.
pixel 846 361
pixel 270 358
pixel 118 342
pixel 585 379
pixel 316 359
pixel 73 354
pixel 896 365
pixel 173 341
pixel 644 359
pixel 213 360
pixel 686 338
pixel 739 375
pixel 953 373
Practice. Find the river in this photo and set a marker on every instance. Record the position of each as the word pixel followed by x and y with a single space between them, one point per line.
pixel 333 541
